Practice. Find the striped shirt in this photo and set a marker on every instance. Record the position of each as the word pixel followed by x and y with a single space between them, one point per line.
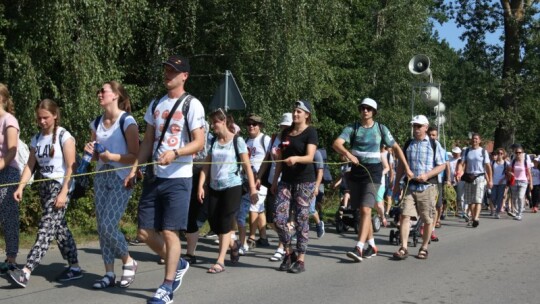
pixel 420 158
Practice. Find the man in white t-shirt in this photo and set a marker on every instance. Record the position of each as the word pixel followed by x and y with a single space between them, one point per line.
pixel 475 171
pixel 164 203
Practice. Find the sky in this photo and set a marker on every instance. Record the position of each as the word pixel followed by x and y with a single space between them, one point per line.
pixel 450 32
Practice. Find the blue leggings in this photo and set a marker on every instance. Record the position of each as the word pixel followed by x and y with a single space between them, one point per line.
pixel 111 201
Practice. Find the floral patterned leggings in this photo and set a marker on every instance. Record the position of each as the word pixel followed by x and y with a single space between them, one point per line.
pixel 52 225
pixel 292 201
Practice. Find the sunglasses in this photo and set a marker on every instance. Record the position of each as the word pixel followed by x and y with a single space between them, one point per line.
pixel 417 126
pixel 369 109
pixel 519 152
pixel 252 124
pixel 102 91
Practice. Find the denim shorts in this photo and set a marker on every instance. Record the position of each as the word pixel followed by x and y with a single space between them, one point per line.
pixel 164 204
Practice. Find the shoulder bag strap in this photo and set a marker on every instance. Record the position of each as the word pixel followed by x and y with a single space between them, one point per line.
pixel 168 121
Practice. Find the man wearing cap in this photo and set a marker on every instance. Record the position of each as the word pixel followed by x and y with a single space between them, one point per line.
pixel 365 139
pixel 426 159
pixel 164 203
pixel 257 145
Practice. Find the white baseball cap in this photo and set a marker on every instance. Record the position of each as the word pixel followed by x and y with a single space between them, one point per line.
pixel 456 150
pixel 286 120
pixel 369 102
pixel 420 120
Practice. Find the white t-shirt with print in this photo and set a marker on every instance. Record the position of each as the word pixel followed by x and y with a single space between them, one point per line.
pixel 54 167
pixel 114 142
pixel 176 135
pixel 256 151
pixel 224 171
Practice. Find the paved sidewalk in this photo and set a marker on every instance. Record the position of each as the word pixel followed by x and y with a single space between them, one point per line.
pixel 468 265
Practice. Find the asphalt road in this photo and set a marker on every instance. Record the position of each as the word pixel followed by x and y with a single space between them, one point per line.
pixel 494 263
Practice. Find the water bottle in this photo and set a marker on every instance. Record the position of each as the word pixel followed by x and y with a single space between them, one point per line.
pixel 85 161
pixel 99 148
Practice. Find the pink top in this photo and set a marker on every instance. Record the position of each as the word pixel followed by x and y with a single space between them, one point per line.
pixel 7 120
pixel 520 173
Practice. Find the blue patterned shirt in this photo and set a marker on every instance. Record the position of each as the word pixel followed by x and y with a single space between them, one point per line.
pixel 420 158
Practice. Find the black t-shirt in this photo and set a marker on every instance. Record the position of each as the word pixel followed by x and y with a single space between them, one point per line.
pixel 297 146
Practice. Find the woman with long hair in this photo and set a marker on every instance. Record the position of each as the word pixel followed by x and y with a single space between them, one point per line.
pixel 117 135
pixel 498 167
pixel 226 152
pixel 52 152
pixel 296 188
pixel 520 173
pixel 9 174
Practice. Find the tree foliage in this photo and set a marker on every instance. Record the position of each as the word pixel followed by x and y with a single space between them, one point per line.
pixel 333 53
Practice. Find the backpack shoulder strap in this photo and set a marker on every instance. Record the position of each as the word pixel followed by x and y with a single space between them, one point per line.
pixel 96 122
pixel 122 123
pixel 353 134
pixel 382 134
pixel 434 148
pixel 237 153
pixel 60 140
pixel 185 111
pixel 265 148
pixel 406 146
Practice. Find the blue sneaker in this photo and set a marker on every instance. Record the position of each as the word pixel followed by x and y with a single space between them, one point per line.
pixel 163 295
pixel 183 267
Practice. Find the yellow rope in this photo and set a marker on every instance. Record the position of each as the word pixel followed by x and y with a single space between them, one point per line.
pixel 145 164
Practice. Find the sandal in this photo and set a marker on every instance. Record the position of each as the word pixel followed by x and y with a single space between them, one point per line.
pixel 104 282
pixel 438 224
pixel 190 258
pixel 252 242
pixel 128 275
pixel 401 254
pixel 278 256
pixel 216 268
pixel 422 254
pixel 235 253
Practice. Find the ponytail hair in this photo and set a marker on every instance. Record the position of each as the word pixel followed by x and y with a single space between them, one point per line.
pixel 5 99
pixel 50 106
pixel 220 115
pixel 124 103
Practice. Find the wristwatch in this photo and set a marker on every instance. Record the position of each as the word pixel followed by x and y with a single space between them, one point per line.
pixel 176 154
